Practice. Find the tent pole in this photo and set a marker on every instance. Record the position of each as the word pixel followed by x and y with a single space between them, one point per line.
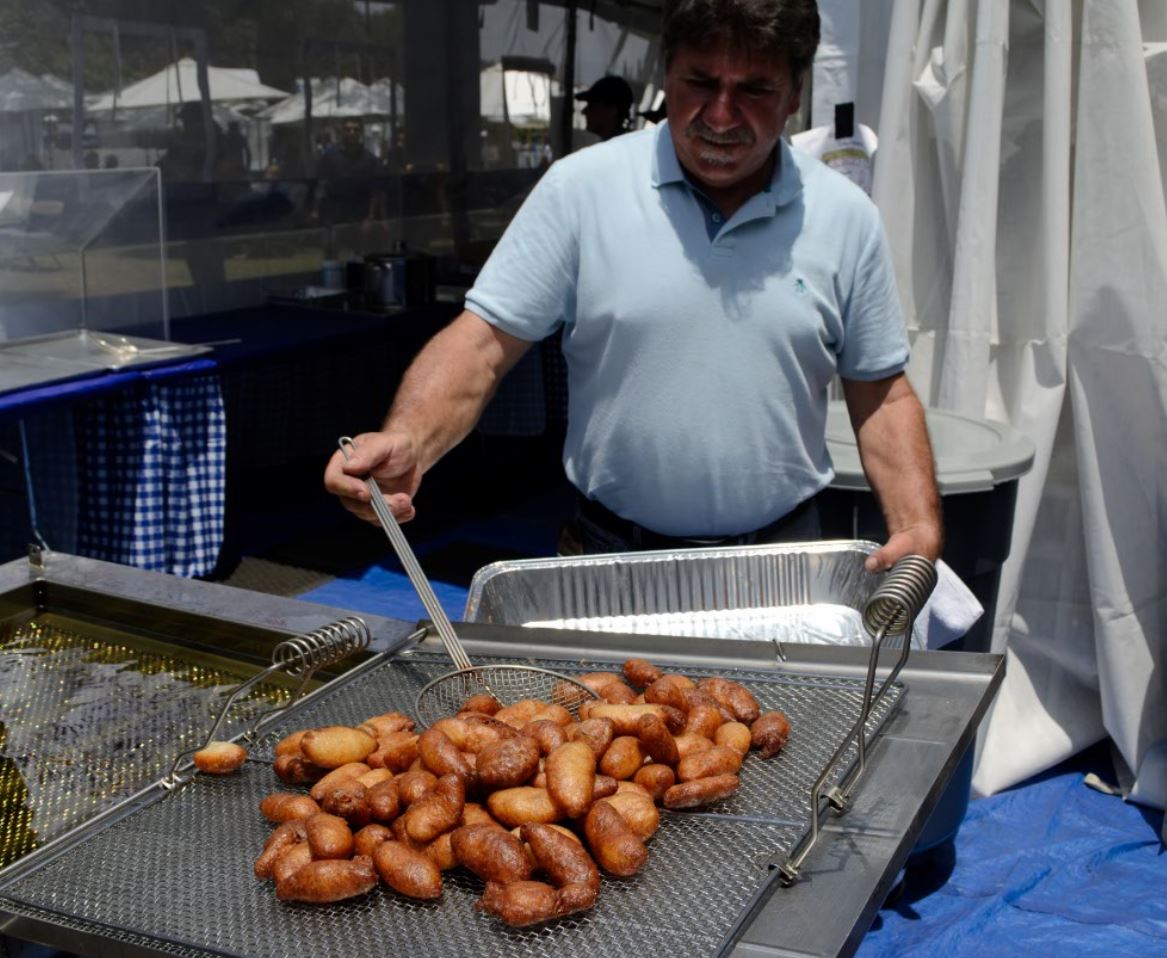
pixel 567 108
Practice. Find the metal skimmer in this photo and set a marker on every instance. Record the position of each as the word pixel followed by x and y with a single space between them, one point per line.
pixel 444 695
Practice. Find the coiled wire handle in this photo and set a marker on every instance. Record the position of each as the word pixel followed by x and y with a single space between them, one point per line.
pixel 300 656
pixel 889 612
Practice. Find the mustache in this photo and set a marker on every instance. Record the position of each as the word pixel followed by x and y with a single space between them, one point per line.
pixel 738 135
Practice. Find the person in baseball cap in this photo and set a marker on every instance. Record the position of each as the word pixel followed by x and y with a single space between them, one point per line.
pixel 608 105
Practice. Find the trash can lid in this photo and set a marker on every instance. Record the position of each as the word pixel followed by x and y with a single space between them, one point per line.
pixel 972 455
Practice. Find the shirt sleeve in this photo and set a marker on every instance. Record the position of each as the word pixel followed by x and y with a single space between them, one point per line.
pixel 875 341
pixel 527 287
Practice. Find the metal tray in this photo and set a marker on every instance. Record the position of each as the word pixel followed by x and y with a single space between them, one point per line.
pixel 192 850
pixel 81 352
pixel 798 592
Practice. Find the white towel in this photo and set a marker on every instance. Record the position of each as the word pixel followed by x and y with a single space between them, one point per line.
pixel 948 614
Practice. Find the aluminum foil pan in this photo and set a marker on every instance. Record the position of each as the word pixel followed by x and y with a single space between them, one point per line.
pixel 790 592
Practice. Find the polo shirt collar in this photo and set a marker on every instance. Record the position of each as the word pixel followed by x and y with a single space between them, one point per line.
pixel 785 183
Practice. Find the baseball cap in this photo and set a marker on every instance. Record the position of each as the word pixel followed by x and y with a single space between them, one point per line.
pixel 612 90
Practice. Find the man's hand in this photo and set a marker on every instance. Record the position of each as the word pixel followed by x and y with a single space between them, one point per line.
pixel 391 459
pixel 917 540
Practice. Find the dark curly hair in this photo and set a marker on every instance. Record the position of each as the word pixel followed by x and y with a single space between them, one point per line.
pixel 785 28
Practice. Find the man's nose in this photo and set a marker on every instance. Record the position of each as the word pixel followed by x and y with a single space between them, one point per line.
pixel 720 113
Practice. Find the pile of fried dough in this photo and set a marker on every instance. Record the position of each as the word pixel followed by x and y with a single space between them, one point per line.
pixel 508 792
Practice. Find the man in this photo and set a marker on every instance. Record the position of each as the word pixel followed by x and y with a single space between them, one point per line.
pixel 346 190
pixel 608 103
pixel 710 283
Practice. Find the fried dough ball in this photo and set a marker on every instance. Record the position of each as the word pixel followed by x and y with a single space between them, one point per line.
pixel 329 836
pixel 441 756
pixel 571 777
pixel 709 762
pixel 641 672
pixel 345 772
pixel 220 758
pixel 395 751
pixel 638 811
pixel 438 811
pixel 770 733
pixel 365 841
pixel 518 806
pixel 328 881
pixel 546 734
pixel 561 855
pixel 704 720
pixel 657 740
pixel 597 681
pixel 408 871
pixel 618 693
pixel 291 859
pixel 279 841
pixel 616 847
pixel 385 800
pixel 733 696
pixel 597 732
pixel 509 762
pixel 381 725
pixel 521 904
pixel 296 769
pixel 623 717
pixel 414 784
pixel 287 806
pixel 337 745
pixel 735 735
pixel 701 791
pixel 491 853
pixel 483 702
pixel 623 757
pixel 349 800
pixel 656 779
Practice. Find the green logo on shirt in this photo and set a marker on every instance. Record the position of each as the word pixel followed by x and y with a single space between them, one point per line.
pixel 800 287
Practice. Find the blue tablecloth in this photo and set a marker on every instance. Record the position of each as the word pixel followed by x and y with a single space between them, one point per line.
pixel 136 474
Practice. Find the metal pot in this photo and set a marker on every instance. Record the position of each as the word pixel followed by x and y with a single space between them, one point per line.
pixel 404 278
pixel 384 280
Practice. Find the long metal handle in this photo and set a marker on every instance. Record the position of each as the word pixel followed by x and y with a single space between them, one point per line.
pixel 420 583
pixel 890 611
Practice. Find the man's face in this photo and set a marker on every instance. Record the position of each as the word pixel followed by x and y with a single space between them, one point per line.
pixel 350 135
pixel 727 109
pixel 600 118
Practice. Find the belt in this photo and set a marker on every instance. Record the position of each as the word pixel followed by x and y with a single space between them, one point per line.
pixel 643 538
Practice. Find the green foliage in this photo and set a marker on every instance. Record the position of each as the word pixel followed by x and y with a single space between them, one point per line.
pixel 267 35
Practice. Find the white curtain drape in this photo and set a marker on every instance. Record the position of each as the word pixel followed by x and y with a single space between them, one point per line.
pixel 1021 176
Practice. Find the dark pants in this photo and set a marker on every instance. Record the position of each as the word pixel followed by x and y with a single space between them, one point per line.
pixel 602 531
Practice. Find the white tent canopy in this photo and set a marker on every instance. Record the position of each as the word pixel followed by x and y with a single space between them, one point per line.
pixel 21 92
pixel 333 100
pixel 178 83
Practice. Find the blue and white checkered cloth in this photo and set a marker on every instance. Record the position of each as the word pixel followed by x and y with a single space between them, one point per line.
pixel 152 463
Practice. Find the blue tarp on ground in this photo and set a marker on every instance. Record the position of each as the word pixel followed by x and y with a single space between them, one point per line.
pixel 1049 868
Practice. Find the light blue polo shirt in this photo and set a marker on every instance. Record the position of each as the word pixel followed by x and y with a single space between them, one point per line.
pixel 698 365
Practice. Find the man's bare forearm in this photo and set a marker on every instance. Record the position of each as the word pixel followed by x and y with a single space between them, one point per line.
pixel 896 454
pixel 450 382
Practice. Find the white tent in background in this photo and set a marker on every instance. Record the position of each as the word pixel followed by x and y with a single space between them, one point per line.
pixel 178 83
pixel 163 118
pixel 521 97
pixel 332 100
pixel 21 92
